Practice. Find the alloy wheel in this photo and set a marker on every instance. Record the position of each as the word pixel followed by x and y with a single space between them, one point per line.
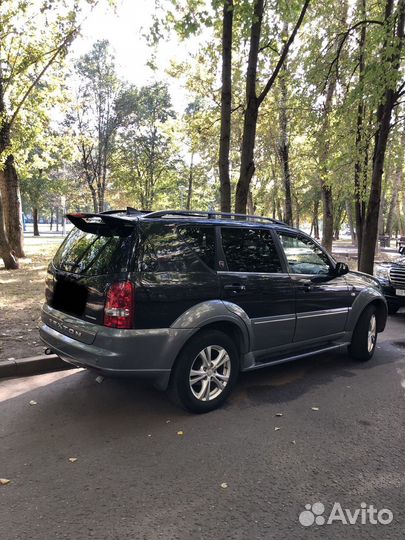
pixel 372 333
pixel 210 373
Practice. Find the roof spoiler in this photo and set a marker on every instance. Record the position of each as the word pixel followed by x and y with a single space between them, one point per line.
pixel 98 223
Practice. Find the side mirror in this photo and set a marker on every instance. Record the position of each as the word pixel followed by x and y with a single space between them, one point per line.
pixel 341 269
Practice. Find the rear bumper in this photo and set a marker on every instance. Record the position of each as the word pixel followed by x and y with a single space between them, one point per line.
pixel 140 353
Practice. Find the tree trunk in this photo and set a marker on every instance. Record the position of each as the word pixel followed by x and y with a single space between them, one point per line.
pixel 100 199
pixel 51 220
pixel 284 144
pixel 12 209
pixel 6 253
pixel 403 214
pixel 384 112
pixel 360 175
pixel 396 188
pixel 57 218
pixel 247 166
pixel 253 102
pixel 324 143
pixel 35 220
pixel 315 219
pixel 250 204
pixel 326 189
pixel 226 107
pixel 349 211
pixel 190 184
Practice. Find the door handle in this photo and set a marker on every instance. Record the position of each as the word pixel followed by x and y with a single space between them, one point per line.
pixel 307 287
pixel 236 287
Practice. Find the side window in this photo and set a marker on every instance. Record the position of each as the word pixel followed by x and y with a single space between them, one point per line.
pixel 250 250
pixel 201 239
pixel 164 250
pixel 303 255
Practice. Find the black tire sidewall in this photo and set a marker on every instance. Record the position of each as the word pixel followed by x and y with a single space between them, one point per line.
pixel 359 345
pixel 181 373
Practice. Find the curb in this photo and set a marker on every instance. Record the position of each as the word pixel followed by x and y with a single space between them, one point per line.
pixel 23 367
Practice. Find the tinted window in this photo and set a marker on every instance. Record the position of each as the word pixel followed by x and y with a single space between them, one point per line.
pixel 91 254
pixel 202 241
pixel 166 251
pixel 250 250
pixel 303 255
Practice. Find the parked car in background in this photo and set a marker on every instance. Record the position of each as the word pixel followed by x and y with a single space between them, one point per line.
pixel 190 299
pixel 391 276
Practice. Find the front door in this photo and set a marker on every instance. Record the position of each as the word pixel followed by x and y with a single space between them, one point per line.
pixel 322 298
pixel 256 280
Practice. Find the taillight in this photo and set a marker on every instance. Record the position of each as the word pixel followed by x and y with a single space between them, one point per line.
pixel 119 305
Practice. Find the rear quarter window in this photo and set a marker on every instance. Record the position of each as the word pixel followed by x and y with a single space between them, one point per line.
pixel 92 254
pixel 201 240
pixel 167 248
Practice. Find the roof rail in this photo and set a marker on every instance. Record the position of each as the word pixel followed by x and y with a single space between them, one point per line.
pixel 211 214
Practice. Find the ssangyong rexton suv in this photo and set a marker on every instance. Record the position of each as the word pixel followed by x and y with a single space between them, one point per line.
pixel 190 299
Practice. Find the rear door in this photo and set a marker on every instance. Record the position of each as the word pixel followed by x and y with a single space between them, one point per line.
pixel 322 298
pixel 256 280
pixel 177 271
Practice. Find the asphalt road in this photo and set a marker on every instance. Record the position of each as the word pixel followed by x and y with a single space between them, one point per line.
pixel 135 477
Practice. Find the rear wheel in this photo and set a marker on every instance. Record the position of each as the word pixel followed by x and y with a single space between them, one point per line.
pixel 364 338
pixel 205 372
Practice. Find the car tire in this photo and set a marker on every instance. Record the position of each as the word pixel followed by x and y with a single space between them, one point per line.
pixel 392 309
pixel 213 358
pixel 364 339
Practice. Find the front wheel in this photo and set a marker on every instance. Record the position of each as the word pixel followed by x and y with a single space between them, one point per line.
pixel 364 339
pixel 205 372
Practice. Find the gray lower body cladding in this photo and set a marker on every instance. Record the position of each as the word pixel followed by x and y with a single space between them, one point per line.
pixel 141 353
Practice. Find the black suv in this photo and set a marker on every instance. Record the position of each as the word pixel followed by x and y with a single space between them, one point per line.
pixel 391 275
pixel 189 299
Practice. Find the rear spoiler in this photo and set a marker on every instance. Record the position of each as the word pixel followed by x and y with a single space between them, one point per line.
pixel 102 223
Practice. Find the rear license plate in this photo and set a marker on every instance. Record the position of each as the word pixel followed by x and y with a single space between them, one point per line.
pixel 400 292
pixel 69 297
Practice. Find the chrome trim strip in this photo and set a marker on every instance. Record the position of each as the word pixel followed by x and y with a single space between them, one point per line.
pixel 274 318
pixel 321 313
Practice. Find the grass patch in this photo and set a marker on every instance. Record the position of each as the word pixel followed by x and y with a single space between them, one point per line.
pixel 21 298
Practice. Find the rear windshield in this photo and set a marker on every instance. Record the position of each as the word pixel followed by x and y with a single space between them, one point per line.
pixel 93 254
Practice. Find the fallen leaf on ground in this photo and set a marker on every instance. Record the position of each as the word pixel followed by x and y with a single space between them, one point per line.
pixel 72 459
pixel 224 485
pixel 180 433
pixel 315 408
pixel 279 414
pixel 293 442
pixel 4 481
pixel 100 379
pixel 277 429
pixel 167 421
pixel 32 402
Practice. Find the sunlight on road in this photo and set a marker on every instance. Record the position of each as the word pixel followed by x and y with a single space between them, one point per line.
pixel 12 388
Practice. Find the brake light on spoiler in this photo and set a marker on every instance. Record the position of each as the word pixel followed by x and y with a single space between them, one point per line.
pixel 119 305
